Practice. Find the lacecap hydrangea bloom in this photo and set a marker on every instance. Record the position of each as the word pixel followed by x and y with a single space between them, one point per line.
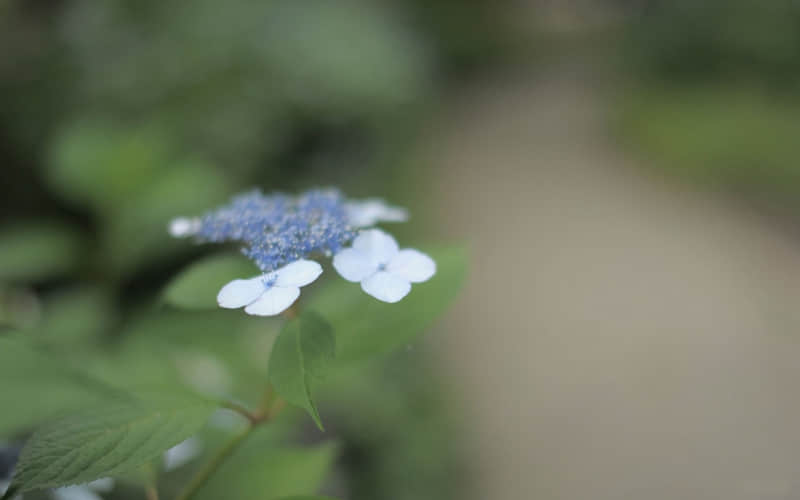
pixel 279 233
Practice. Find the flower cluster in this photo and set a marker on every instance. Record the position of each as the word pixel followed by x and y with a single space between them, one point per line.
pixel 276 229
pixel 279 232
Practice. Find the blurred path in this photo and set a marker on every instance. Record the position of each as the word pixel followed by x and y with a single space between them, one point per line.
pixel 619 338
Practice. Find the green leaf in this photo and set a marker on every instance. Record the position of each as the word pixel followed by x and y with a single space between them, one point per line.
pixel 101 164
pixel 196 287
pixel 212 352
pixel 38 250
pixel 264 469
pixel 187 187
pixel 300 357
pixel 366 327
pixel 107 440
pixel 41 386
pixel 75 317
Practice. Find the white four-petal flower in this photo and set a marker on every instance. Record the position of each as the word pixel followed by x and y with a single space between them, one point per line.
pixel 182 453
pixel 369 212
pixel 385 271
pixel 88 491
pixel 182 227
pixel 272 293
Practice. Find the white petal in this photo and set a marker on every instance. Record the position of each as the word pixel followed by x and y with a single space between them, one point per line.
pixel 181 454
pixel 369 212
pixel 298 273
pixel 183 226
pixel 274 301
pixel 80 492
pixel 412 265
pixel 378 246
pixel 387 287
pixel 353 265
pixel 4 484
pixel 103 485
pixel 239 293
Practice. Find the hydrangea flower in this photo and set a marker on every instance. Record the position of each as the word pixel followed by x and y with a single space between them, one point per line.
pixel 385 271
pixel 182 453
pixel 367 213
pixel 271 293
pixel 277 229
pixel 274 229
pixel 279 232
pixel 88 491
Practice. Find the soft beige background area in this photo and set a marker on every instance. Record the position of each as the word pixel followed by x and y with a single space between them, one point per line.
pixel 620 337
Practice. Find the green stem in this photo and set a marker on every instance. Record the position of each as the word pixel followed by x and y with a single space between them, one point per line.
pixel 211 467
pixel 151 492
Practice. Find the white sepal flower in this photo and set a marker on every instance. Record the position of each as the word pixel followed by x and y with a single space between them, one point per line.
pixel 4 484
pixel 272 293
pixel 88 491
pixel 182 453
pixel 385 271
pixel 182 227
pixel 369 212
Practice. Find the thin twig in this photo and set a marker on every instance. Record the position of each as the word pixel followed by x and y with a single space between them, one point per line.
pixel 211 467
pixel 150 492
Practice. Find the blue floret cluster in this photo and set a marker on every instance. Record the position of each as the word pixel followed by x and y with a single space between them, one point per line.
pixel 277 229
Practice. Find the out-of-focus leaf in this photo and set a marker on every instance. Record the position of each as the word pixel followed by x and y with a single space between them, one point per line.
pixel 138 230
pixel 216 353
pixel 366 327
pixel 38 250
pixel 107 440
pixel 300 358
pixel 100 165
pixel 196 287
pixel 262 470
pixel 19 308
pixel 38 386
pixel 75 317
pixel 736 138
pixel 342 56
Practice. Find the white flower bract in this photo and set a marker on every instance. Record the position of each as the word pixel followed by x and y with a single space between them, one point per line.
pixel 182 227
pixel 369 212
pixel 88 491
pixel 384 271
pixel 272 293
pixel 182 453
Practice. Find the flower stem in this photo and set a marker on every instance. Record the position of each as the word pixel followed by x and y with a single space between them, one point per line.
pixel 151 492
pixel 211 467
pixel 271 406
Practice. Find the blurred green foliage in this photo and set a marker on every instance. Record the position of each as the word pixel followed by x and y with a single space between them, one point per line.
pixel 714 95
pixel 737 139
pixel 690 40
pixel 117 117
pixel 38 249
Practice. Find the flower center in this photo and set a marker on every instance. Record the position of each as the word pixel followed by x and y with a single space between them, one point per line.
pixel 269 280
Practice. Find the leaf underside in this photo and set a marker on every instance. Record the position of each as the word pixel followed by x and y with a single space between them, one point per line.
pixel 107 441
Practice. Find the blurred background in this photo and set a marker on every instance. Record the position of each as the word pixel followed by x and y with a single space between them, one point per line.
pixel 624 174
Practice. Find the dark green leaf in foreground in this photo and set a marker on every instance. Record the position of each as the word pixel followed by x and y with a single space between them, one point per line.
pixel 40 385
pixel 196 287
pixel 300 357
pixel 366 327
pixel 107 440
